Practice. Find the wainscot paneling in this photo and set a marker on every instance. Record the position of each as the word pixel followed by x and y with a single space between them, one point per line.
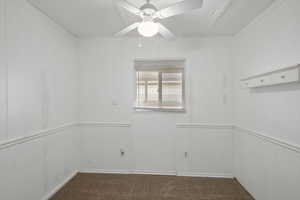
pixel 46 160
pixel 198 149
pixel 267 167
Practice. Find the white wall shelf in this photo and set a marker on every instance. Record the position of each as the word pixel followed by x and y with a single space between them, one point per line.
pixel 289 74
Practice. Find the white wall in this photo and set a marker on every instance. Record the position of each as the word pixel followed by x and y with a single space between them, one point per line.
pixel 268 170
pixel 39 91
pixel 39 96
pixel 151 141
pixel 3 72
pixel 270 42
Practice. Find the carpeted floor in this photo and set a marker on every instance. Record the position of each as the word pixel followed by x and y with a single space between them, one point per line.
pixel 149 187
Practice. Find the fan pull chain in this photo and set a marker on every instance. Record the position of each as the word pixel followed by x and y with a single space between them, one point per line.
pixel 140 42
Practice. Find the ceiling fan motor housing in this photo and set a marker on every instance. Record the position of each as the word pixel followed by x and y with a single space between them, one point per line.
pixel 148 9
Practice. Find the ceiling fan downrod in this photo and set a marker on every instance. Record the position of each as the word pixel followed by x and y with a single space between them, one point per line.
pixel 148 9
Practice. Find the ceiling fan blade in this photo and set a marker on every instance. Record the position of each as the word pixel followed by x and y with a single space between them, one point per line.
pixel 166 33
pixel 131 8
pixel 179 8
pixel 127 29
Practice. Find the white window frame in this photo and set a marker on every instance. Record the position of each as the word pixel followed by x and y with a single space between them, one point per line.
pixel 161 66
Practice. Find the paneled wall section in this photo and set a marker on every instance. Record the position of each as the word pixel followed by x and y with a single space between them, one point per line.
pixel 38 101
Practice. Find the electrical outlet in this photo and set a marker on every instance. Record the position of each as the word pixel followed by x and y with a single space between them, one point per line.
pixel 122 152
pixel 185 154
pixel 114 103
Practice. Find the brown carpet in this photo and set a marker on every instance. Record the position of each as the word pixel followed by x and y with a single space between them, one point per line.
pixel 149 187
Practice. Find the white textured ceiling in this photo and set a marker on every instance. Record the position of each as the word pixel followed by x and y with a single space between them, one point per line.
pixel 90 18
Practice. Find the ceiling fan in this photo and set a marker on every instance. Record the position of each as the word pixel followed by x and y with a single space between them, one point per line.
pixel 149 14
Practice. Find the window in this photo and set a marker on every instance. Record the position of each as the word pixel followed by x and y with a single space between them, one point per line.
pixel 160 85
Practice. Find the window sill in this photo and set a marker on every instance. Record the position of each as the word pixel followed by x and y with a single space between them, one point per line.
pixel 159 109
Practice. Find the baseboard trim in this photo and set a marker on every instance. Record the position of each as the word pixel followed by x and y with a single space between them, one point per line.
pixel 238 182
pixel 269 139
pixel 105 124
pixel 58 187
pixel 104 171
pixel 161 173
pixel 208 175
pixel 36 135
pixel 205 126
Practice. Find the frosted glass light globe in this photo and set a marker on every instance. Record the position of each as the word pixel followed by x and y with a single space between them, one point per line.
pixel 148 29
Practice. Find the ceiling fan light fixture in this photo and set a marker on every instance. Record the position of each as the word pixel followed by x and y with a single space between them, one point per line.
pixel 149 15
pixel 148 28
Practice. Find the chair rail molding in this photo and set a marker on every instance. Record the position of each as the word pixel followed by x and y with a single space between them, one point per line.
pixel 36 135
pixel 205 126
pixel 266 138
pixel 105 124
pixel 241 130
